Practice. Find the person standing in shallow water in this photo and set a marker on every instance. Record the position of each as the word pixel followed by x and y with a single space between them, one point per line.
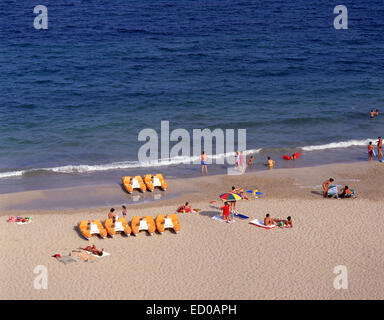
pixel 203 158
pixel 370 151
pixel 379 146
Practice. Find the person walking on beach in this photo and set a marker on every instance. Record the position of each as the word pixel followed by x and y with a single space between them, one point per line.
pixel 203 158
pixel 370 151
pixel 377 113
pixel 326 185
pixel 379 146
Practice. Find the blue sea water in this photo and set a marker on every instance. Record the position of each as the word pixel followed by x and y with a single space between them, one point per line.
pixel 73 98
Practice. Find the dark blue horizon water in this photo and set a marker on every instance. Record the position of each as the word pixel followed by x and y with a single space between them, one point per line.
pixel 80 92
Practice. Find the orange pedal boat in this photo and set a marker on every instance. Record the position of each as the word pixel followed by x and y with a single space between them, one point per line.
pixel 131 183
pixel 143 224
pixel 121 225
pixel 89 228
pixel 153 181
pixel 167 222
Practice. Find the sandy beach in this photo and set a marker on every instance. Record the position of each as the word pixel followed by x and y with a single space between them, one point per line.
pixel 209 259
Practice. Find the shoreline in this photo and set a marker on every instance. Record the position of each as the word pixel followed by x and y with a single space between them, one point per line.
pixel 300 181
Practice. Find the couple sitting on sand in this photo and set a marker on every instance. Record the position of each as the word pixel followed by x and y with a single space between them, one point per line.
pixel 268 221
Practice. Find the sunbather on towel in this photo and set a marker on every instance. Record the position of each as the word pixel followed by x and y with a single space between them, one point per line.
pixel 268 221
pixel 93 250
pixel 185 208
pixel 345 193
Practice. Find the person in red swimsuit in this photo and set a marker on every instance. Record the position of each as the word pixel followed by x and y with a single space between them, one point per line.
pixel 226 211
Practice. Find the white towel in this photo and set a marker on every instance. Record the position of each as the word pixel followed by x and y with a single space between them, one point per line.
pixel 220 218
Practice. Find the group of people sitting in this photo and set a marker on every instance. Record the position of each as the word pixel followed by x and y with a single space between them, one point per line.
pixel 345 192
pixel 268 221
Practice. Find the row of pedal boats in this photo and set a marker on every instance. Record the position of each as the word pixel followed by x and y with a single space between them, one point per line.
pixel 148 182
pixel 111 228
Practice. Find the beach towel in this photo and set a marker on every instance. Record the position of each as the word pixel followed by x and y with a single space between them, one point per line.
pixel 241 216
pixel 105 254
pixel 332 191
pixel 220 218
pixel 66 259
pixel 84 255
pixel 25 222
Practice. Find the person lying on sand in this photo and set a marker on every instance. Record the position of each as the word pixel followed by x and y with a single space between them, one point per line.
pixel 185 208
pixel 226 211
pixel 345 193
pixel 268 220
pixel 326 185
pixel 93 250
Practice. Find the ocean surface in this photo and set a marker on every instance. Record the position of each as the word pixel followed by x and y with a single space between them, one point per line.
pixel 74 98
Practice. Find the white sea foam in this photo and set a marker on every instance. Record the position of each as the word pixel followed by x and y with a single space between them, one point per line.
pixel 119 165
pixel 341 144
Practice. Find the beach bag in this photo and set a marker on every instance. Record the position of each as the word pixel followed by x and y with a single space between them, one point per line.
pixel 12 219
